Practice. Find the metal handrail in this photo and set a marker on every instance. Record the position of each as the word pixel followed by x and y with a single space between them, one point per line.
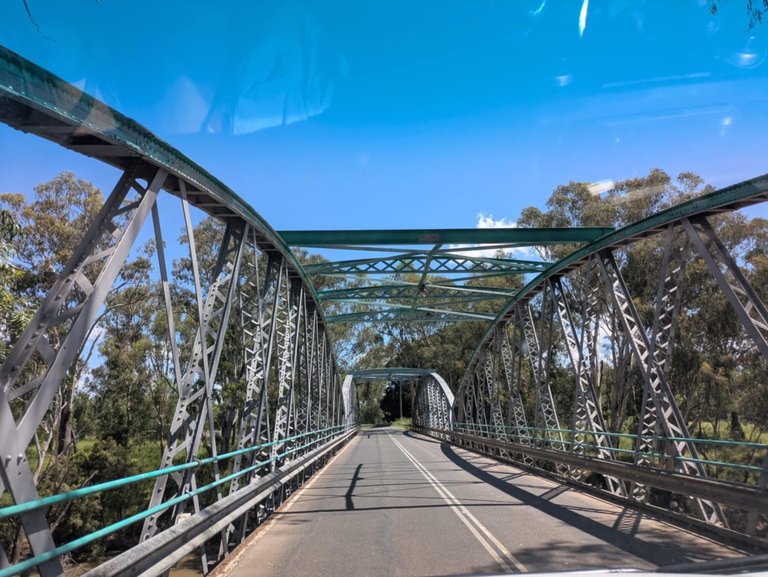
pixel 484 428
pixel 112 528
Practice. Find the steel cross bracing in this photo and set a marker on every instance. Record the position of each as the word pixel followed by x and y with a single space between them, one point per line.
pixel 257 325
pixel 540 359
pixel 488 375
pixel 512 378
pixel 667 306
pixel 587 293
pixel 668 413
pixel 258 319
pixel 587 414
pixel 743 298
pixel 194 412
pixel 288 332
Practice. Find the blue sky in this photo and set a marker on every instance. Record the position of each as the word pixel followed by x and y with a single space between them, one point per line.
pixel 408 114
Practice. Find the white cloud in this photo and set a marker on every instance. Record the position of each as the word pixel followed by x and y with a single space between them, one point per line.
pixel 487 221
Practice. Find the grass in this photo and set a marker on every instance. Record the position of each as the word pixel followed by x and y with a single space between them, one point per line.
pixel 404 423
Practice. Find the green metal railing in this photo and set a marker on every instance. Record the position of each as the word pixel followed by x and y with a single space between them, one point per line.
pixel 567 437
pixel 22 508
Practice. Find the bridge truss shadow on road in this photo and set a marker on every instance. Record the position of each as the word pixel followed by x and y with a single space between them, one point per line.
pixel 296 407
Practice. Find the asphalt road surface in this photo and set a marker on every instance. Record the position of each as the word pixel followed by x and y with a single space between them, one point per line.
pixel 394 503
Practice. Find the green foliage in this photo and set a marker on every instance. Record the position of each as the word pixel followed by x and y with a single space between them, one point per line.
pixel 369 398
pixel 394 394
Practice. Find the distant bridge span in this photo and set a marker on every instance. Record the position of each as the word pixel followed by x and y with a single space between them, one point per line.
pixel 298 410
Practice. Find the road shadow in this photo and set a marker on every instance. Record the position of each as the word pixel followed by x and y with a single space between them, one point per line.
pixel 348 496
pixel 422 438
pixel 623 534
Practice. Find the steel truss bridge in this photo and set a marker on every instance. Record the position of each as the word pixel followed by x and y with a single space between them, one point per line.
pixel 299 409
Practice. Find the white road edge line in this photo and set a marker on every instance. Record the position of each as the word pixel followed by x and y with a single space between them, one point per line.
pixel 501 554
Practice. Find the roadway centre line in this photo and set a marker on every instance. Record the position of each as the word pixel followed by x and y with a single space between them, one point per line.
pixel 500 554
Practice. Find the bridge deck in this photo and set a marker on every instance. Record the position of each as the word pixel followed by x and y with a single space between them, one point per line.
pixel 394 503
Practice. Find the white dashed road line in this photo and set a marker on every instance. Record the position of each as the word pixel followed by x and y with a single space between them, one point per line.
pixel 490 543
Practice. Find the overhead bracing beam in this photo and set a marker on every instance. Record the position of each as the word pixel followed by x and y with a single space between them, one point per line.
pixel 404 291
pixel 426 264
pixel 523 236
pixel 421 314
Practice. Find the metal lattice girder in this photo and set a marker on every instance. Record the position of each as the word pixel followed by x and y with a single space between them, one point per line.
pixel 588 417
pixel 433 402
pixel 288 341
pixel 195 383
pixel 669 296
pixel 540 356
pixel 318 370
pixel 488 375
pixel 516 409
pixel 666 313
pixel 421 314
pixel 256 304
pixel 322 420
pixel 745 301
pixel 257 308
pixel 669 415
pixel 73 303
pixel 309 354
pixel 426 263
pixel 479 416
